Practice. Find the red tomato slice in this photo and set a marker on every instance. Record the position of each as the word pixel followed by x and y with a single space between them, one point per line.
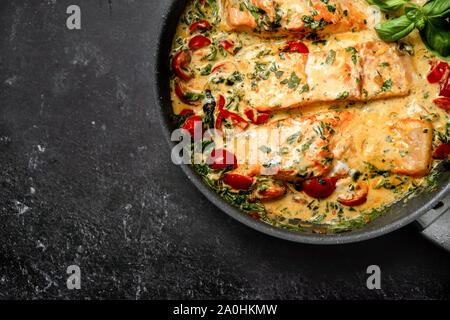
pixel 186 112
pixel 179 63
pixel 445 87
pixel 238 181
pixel 356 197
pixel 194 126
pixel 221 103
pixel 198 42
pixel 201 25
pixel 227 45
pixel 437 71
pixel 234 117
pixel 319 187
pixel 296 46
pixel 221 159
pixel 260 118
pixel 443 103
pixel 442 152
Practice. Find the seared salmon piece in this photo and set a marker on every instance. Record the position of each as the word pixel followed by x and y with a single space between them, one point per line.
pixel 306 79
pixel 385 72
pixel 278 17
pixel 401 146
pixel 367 71
pixel 413 139
pixel 238 18
pixel 275 82
pixel 334 76
pixel 291 149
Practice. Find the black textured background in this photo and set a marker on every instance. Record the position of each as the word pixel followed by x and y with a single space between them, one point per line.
pixel 86 179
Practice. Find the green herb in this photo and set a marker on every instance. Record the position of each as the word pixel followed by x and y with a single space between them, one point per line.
pixel 275 69
pixel 294 81
pixel 305 88
pixel 387 85
pixel 310 23
pixel 193 97
pixel 384 65
pixel 331 57
pixel 234 78
pixel 307 145
pixel 343 95
pixel 212 55
pixel 294 138
pixel 331 8
pixel 206 70
pixel 354 54
pixel 320 130
pixel 265 149
pixel 318 218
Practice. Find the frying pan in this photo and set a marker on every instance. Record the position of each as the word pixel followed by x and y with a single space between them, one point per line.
pixel 433 223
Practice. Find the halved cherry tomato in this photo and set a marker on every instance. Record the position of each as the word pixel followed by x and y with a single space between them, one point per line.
pixel 179 64
pixel 227 45
pixel 235 118
pixel 443 103
pixel 179 91
pixel 319 187
pixel 194 126
pixel 238 181
pixel 221 159
pixel 202 25
pixel 437 71
pixel 296 46
pixel 186 112
pixel 442 152
pixel 354 198
pixel 445 87
pixel 198 42
pixel 220 103
pixel 260 118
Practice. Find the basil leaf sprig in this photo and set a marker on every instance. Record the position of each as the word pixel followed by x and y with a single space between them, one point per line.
pixel 432 20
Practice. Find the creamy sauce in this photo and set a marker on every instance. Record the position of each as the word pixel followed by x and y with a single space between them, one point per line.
pixel 376 118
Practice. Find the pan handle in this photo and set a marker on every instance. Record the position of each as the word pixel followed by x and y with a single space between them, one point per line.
pixel 435 224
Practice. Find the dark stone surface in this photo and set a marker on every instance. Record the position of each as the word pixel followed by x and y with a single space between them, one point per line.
pixel 86 179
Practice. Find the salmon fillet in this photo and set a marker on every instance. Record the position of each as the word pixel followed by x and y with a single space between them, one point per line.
pixel 291 149
pixel 365 72
pixel 385 72
pixel 279 17
pixel 403 146
pixel 305 147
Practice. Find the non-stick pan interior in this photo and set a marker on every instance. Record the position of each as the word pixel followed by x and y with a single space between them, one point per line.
pixel 399 215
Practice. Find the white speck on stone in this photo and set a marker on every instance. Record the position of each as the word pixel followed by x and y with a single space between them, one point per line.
pixel 32 190
pixel 20 207
pixel 10 81
pixel 40 245
pixel 41 148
